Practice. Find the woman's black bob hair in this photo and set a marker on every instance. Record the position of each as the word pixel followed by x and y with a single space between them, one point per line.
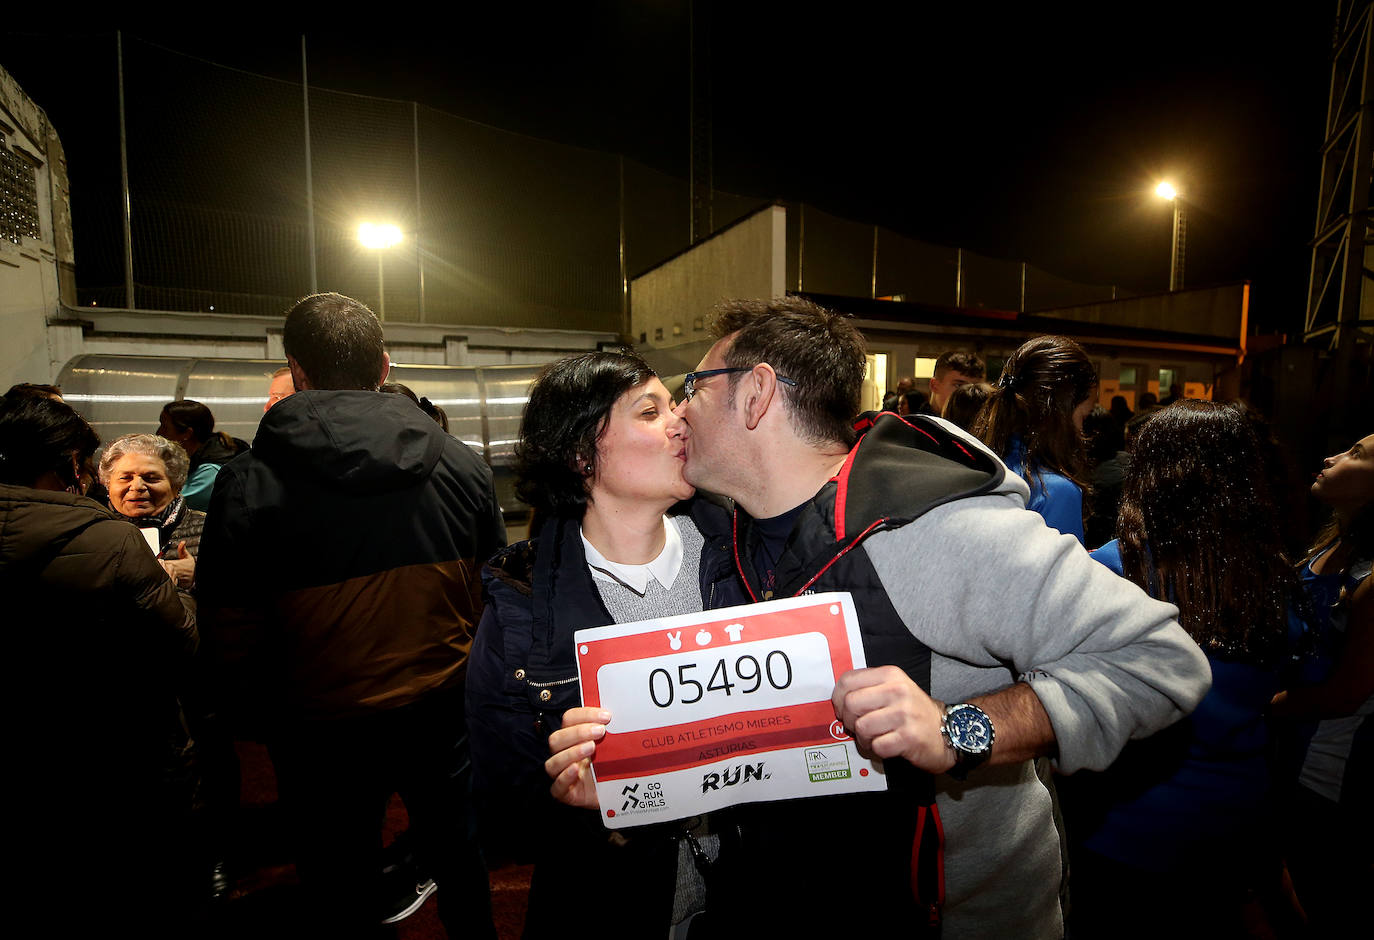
pixel 39 434
pixel 569 405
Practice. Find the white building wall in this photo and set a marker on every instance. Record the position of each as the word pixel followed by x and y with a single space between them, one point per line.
pixel 671 304
pixel 34 268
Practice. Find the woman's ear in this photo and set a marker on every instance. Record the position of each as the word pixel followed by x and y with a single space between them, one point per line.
pixel 74 481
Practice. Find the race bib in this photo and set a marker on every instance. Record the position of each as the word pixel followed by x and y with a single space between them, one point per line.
pixel 723 707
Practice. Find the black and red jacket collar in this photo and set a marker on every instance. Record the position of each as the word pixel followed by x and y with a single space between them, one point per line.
pixel 900 469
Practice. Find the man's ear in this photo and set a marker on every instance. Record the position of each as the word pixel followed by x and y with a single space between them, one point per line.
pixel 759 389
pixel 298 376
pixel 386 369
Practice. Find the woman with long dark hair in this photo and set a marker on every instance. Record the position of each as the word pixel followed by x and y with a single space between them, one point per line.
pixel 192 425
pixel 1332 823
pixel 600 460
pixel 1034 422
pixel 1172 836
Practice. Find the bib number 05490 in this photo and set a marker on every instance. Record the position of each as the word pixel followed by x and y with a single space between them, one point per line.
pixel 693 685
pixel 776 669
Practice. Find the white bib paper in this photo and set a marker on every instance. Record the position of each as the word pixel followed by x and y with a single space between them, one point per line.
pixel 723 707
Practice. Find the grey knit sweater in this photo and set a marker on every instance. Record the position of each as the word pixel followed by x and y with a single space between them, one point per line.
pixel 626 605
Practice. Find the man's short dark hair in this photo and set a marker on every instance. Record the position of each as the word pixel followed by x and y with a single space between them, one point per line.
pixel 961 362
pixel 822 351
pixel 336 341
pixel 34 390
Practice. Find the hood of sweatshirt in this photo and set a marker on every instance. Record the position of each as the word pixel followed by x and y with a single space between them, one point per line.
pixel 902 467
pixel 356 441
pixel 216 451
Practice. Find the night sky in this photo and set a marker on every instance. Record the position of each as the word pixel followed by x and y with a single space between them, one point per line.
pixel 1030 136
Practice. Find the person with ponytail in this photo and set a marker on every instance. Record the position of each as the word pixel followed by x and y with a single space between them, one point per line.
pixel 192 425
pixel 1034 422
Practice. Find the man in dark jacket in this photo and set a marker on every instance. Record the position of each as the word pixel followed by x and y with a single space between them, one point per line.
pixel 347 651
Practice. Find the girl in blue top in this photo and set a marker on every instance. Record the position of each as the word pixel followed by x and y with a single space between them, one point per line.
pixel 1034 422
pixel 1331 825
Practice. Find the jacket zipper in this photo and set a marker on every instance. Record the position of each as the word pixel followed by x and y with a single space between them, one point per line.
pixel 545 685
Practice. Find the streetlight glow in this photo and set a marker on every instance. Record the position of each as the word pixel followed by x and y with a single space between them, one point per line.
pixel 1166 191
pixel 378 236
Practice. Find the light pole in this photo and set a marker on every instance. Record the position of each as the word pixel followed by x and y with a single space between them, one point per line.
pixel 1166 191
pixel 379 238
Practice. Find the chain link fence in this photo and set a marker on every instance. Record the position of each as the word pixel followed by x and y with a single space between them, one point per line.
pixel 229 214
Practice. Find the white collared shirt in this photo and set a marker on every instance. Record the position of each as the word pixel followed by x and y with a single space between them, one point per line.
pixel 663 569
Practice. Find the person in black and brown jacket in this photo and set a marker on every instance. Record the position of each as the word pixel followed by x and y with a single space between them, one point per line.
pixel 339 583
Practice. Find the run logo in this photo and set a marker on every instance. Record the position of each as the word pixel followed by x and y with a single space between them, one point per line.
pixel 737 775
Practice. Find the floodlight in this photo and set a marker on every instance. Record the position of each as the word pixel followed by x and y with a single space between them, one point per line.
pixel 378 236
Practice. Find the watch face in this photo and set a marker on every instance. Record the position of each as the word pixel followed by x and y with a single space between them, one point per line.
pixel 969 729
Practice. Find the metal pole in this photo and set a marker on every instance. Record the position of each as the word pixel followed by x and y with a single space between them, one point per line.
pixel 801 241
pixel 124 180
pixel 958 277
pixel 1182 238
pixel 691 115
pixel 381 287
pixel 873 286
pixel 419 255
pixel 624 278
pixel 1173 251
pixel 1023 287
pixel 309 176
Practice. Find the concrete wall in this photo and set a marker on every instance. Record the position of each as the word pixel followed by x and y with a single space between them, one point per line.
pixel 671 304
pixel 36 267
pixel 1206 311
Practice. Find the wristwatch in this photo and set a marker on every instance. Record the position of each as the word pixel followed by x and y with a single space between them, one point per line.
pixel 968 731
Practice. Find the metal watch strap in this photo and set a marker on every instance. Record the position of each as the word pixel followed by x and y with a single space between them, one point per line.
pixel 964 761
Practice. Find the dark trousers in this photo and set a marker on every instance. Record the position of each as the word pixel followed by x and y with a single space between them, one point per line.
pixel 335 778
pixel 1330 851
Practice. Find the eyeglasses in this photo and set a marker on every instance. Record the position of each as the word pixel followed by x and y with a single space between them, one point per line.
pixel 689 381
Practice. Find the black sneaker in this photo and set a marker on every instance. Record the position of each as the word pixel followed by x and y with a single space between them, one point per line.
pixel 400 905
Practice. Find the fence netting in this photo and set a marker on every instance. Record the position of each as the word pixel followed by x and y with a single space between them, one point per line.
pixel 497 227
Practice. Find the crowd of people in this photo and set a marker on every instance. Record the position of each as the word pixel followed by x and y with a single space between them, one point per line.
pixel 1171 732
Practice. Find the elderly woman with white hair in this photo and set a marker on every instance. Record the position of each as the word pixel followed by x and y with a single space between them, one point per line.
pixel 144 474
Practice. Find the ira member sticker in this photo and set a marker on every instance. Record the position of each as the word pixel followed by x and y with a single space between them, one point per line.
pixel 723 707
